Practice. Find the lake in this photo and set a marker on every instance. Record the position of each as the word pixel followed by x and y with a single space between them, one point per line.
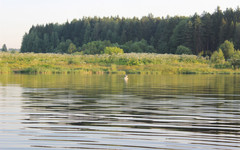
pixel 170 112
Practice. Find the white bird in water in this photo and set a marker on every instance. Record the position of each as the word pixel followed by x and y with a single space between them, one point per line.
pixel 126 77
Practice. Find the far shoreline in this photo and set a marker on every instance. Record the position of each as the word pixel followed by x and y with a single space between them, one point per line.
pixel 127 63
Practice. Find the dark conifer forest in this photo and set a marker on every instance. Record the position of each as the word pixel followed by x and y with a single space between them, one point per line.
pixel 89 35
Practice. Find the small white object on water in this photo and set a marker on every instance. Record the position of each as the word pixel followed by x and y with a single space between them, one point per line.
pixel 126 77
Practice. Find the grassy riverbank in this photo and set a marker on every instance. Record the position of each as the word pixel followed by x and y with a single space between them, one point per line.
pixel 131 63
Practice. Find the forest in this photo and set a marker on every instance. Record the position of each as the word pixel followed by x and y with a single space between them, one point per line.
pixel 202 34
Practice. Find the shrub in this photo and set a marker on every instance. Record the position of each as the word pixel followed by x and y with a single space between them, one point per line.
pixel 227 48
pixel 63 47
pixel 183 50
pixel 113 50
pixel 71 48
pixel 138 47
pixel 95 47
pixel 235 59
pixel 218 57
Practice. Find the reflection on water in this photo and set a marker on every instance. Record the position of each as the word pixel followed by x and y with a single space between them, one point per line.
pixel 176 112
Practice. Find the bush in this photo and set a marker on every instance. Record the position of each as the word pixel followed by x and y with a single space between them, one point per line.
pixel 63 47
pixel 235 59
pixel 218 57
pixel 227 48
pixel 138 47
pixel 113 50
pixel 183 50
pixel 71 48
pixel 95 47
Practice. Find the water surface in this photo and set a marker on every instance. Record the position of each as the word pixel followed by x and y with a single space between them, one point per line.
pixel 170 112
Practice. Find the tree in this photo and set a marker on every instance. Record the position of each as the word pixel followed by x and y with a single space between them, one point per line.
pixel 71 48
pixel 207 32
pixel 223 30
pixel 54 40
pixel 216 22
pixel 95 47
pixel 4 48
pixel 227 48
pixel 188 36
pixel 138 47
pixel 63 47
pixel 218 57
pixel 23 48
pixel 162 35
pixel 178 35
pixel 237 36
pixel 183 50
pixel 197 33
pixel 235 59
pixel 46 43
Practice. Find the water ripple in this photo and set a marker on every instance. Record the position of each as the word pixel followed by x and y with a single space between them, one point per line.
pixel 169 117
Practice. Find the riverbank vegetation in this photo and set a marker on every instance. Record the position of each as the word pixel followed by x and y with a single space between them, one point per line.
pixel 127 63
pixel 207 43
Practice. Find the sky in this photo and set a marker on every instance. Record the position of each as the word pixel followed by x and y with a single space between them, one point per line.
pixel 18 16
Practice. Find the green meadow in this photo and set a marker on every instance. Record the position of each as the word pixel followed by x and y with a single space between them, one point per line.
pixel 128 63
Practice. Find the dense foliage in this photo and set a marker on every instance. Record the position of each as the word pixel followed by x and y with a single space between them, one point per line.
pixel 183 50
pixel 113 50
pixel 127 63
pixel 218 57
pixel 200 33
pixel 235 59
pixel 95 47
pixel 227 48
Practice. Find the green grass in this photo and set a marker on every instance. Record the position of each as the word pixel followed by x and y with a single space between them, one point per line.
pixel 131 63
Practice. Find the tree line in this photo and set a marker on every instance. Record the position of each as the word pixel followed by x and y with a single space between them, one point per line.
pixel 90 35
pixel 4 48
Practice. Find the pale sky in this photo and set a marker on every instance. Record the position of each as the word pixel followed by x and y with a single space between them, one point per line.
pixel 17 16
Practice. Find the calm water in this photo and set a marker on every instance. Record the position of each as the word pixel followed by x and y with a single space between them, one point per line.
pixel 171 112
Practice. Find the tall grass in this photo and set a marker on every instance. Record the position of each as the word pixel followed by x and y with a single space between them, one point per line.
pixel 141 63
